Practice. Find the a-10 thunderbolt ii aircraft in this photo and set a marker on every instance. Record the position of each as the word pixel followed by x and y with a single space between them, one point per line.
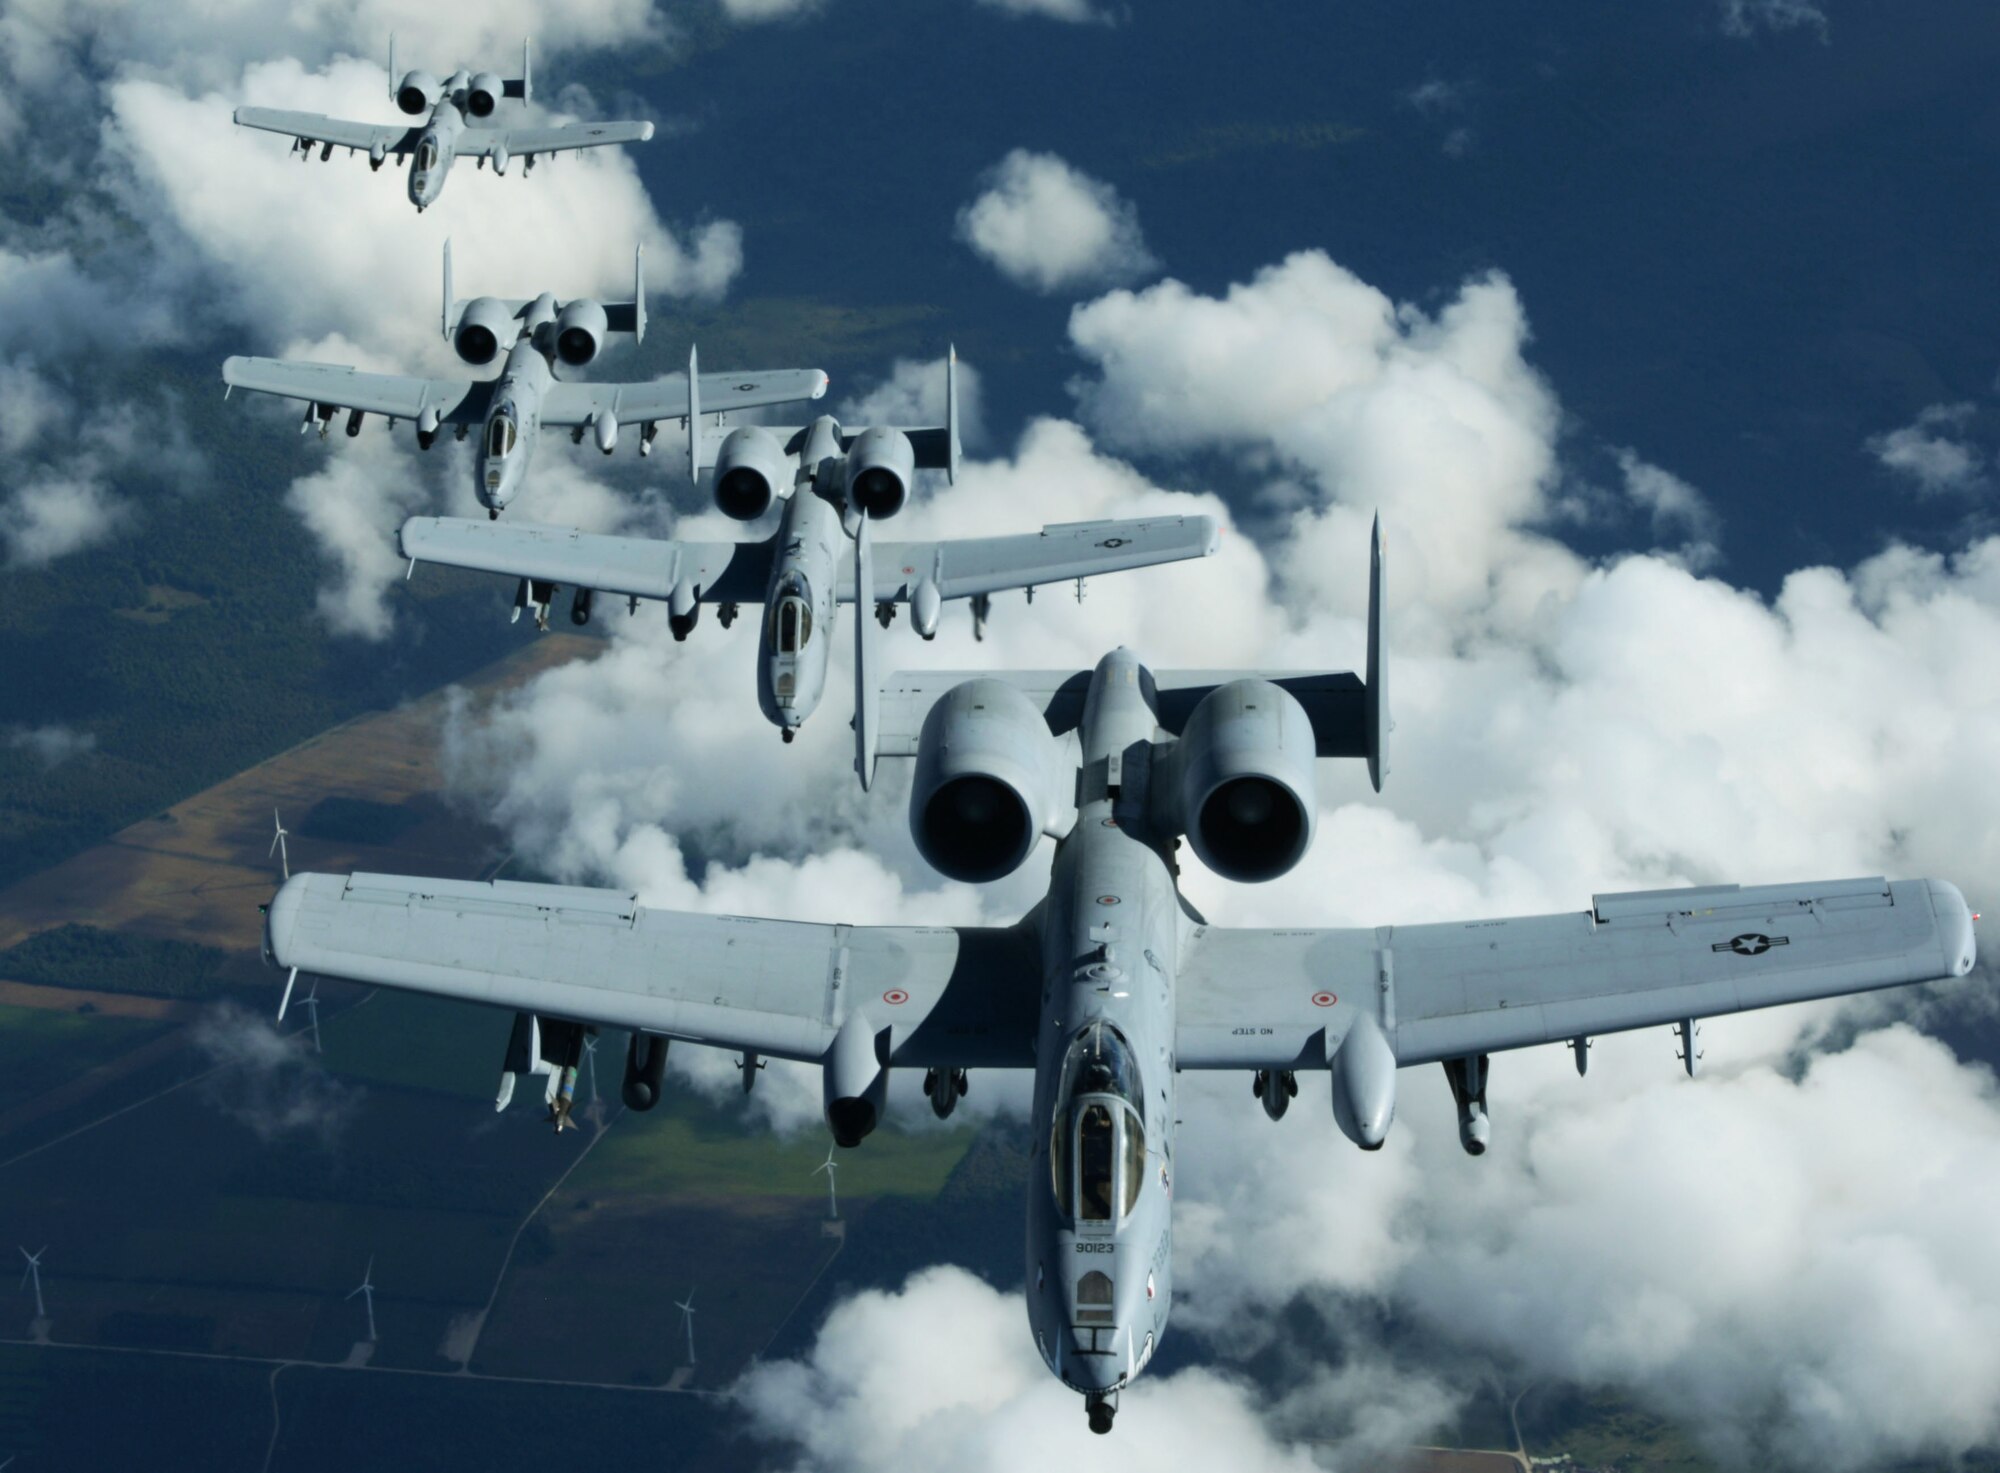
pixel 1112 985
pixel 465 111
pixel 537 338
pixel 835 483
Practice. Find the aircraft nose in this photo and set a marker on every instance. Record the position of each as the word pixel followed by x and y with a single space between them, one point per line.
pixel 1087 1368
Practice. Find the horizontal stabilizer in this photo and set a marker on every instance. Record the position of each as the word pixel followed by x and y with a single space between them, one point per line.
pixel 1334 700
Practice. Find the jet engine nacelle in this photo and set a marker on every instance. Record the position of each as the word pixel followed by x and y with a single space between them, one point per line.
pixel 483 94
pixel 989 781
pixel 482 328
pixel 1245 781
pixel 580 329
pixel 854 1081
pixel 750 470
pixel 418 92
pixel 880 467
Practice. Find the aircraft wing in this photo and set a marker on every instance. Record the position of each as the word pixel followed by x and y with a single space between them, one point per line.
pixel 965 566
pixel 521 142
pixel 457 401
pixel 946 997
pixel 391 137
pixel 667 398
pixel 1274 999
pixel 638 567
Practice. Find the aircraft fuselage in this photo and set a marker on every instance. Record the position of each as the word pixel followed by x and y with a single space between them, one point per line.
pixel 438 145
pixel 1099 1220
pixel 513 424
pixel 800 607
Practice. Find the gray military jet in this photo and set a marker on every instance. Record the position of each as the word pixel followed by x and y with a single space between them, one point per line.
pixel 539 337
pixel 464 122
pixel 1112 985
pixel 835 484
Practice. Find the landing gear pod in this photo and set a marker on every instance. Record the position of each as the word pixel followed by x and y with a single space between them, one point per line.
pixel 926 604
pixel 1363 1067
pixel 645 1068
pixel 682 610
pixel 855 1082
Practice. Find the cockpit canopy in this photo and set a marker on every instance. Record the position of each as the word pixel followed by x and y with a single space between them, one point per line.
pixel 791 618
pixel 1097 1143
pixel 500 435
pixel 427 155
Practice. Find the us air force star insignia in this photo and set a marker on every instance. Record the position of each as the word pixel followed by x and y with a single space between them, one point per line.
pixel 1751 943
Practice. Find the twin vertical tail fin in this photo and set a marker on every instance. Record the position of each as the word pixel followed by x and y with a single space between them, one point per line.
pixel 444 311
pixel 1375 707
pixel 639 292
pixel 867 697
pixel 951 415
pixel 694 417
pixel 392 66
pixel 522 86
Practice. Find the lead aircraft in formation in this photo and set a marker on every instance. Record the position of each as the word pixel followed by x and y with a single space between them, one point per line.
pixel 536 339
pixel 834 484
pixel 1112 985
pixel 465 121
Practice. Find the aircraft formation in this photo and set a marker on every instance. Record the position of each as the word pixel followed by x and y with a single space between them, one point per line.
pixel 1112 984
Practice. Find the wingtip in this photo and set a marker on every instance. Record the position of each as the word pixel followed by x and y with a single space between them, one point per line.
pixel 1961 948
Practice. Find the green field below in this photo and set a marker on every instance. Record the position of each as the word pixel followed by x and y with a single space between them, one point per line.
pixel 41 1049
pixel 690 1147
pixel 409 1041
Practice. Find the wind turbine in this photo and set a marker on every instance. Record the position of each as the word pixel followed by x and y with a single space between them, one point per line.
pixel 366 1288
pixel 285 868
pixel 830 1166
pixel 34 1273
pixel 686 1307
pixel 311 1002
pixel 590 1061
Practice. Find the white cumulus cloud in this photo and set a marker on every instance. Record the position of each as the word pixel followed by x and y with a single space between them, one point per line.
pixel 1049 227
pixel 1745 18
pixel 1933 452
pixel 1074 12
